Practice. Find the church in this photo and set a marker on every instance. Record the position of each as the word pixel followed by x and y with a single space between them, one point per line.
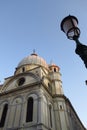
pixel 33 99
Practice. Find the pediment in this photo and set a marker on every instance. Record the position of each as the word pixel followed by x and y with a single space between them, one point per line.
pixel 20 80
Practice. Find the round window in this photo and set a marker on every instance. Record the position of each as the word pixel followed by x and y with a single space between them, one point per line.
pixel 21 81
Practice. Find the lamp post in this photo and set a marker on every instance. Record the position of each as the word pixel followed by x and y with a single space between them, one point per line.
pixel 69 27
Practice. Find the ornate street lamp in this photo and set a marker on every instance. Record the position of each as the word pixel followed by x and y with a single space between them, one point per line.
pixel 69 27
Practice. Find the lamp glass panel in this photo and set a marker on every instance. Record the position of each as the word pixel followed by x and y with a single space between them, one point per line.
pixel 74 22
pixel 67 25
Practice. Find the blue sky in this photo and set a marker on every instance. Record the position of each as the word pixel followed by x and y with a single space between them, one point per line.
pixel 35 24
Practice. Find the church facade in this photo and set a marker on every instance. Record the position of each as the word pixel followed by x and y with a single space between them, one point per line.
pixel 33 99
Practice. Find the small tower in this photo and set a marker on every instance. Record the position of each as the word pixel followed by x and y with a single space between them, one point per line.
pixel 56 79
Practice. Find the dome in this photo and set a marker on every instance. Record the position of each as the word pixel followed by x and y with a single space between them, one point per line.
pixel 33 59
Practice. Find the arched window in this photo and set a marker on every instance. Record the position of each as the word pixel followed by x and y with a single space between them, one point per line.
pixel 23 69
pixel 4 113
pixel 50 87
pixel 54 69
pixel 29 114
pixel 50 114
